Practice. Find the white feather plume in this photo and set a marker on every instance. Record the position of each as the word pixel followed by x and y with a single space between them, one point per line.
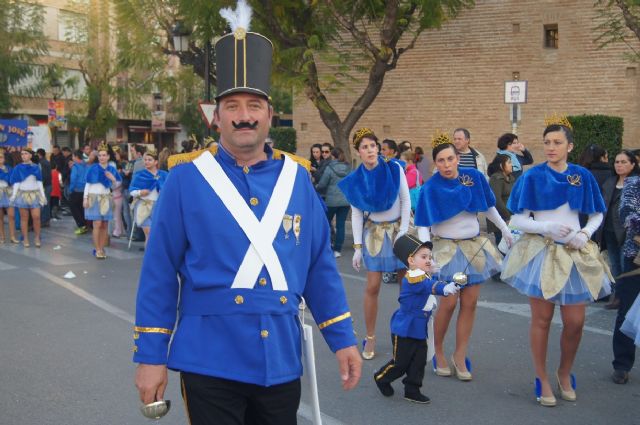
pixel 239 18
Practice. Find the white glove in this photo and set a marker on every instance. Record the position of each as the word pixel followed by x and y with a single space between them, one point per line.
pixel 356 262
pixel 579 241
pixel 450 289
pixel 556 230
pixel 508 237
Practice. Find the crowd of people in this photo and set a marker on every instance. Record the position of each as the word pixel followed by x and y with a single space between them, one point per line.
pixel 105 192
pixel 579 211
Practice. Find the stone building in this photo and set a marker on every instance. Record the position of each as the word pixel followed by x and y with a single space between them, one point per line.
pixel 455 77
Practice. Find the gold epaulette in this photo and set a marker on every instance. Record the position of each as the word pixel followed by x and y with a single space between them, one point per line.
pixel 417 279
pixel 277 154
pixel 183 158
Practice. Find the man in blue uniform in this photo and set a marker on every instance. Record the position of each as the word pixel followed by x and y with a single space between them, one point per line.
pixel 239 238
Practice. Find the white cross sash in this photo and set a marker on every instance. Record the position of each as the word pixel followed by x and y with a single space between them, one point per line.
pixel 261 233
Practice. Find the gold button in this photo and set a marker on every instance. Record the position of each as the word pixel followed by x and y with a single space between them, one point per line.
pixel 262 281
pixel 136 335
pixel 283 299
pixel 135 348
pixel 264 334
pixel 245 169
pixel 253 201
pixel 239 299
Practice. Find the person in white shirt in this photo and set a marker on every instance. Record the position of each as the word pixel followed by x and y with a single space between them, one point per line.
pixel 28 195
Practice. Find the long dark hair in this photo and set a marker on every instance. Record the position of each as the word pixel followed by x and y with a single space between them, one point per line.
pixel 635 171
pixel 591 155
pixel 497 165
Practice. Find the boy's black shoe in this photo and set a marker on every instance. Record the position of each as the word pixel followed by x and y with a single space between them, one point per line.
pixel 417 398
pixel 385 388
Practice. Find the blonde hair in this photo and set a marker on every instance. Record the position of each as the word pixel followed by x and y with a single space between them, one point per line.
pixel 407 156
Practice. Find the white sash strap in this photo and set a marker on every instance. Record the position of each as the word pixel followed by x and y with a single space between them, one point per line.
pixel 260 233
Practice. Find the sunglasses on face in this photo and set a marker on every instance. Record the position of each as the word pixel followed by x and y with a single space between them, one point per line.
pixel 326 152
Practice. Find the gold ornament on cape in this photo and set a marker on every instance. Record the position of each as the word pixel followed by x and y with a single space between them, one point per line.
pixel 557 119
pixel 287 224
pixel 574 179
pixel 297 218
pixel 465 180
pixel 440 138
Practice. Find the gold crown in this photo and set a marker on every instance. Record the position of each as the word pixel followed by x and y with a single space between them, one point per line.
pixel 360 134
pixel 103 146
pixel 439 138
pixel 557 120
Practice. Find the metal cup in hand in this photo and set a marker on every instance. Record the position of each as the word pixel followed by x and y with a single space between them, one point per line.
pixel 156 410
pixel 460 279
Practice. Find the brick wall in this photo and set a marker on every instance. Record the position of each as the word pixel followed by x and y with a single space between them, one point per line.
pixel 455 78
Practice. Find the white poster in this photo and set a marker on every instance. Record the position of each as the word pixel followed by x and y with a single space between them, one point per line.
pixel 40 137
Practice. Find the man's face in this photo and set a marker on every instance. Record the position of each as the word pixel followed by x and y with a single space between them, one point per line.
pixel 55 151
pixel 326 152
pixel 460 141
pixel 244 120
pixel 87 149
pixel 66 154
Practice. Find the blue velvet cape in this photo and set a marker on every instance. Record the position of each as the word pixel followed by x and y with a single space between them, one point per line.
pixel 542 188
pixel 95 174
pixel 146 180
pixel 372 190
pixel 22 171
pixel 442 198
pixel 5 173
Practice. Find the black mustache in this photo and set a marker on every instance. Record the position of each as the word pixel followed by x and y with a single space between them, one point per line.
pixel 244 124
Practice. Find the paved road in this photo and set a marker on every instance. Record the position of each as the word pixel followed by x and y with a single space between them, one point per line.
pixel 65 352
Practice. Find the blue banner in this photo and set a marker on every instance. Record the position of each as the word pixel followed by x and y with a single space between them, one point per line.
pixel 13 133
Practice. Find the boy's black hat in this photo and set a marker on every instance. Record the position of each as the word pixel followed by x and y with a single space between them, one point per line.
pixel 407 245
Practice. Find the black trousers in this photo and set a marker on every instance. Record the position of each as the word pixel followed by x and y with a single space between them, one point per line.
pixel 410 358
pixel 624 349
pixel 77 211
pixel 215 401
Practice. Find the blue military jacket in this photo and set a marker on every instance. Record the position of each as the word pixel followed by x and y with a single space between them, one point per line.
pixel 193 254
pixel 410 320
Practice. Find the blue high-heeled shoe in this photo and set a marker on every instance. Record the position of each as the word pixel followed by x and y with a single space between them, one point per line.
pixel 544 401
pixel 568 395
pixel 440 371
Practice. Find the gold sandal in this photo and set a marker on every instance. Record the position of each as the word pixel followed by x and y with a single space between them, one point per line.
pixel 368 355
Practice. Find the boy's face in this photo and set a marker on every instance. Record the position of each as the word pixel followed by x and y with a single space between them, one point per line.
pixel 421 260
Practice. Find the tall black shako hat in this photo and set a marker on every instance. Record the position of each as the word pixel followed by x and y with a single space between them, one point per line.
pixel 406 246
pixel 243 58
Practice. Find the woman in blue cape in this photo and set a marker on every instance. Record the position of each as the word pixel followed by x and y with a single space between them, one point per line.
pixel 5 195
pixel 28 195
pixel 98 199
pixel 145 187
pixel 447 214
pixel 379 196
pixel 555 262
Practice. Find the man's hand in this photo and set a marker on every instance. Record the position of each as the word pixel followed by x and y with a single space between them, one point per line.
pixel 350 364
pixel 151 381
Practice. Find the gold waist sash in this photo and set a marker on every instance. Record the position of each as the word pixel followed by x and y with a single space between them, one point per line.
pixel 558 262
pixel 474 250
pixel 104 201
pixel 30 196
pixel 143 208
pixel 376 233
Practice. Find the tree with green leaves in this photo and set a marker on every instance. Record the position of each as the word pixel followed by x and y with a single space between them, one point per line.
pixel 22 43
pixel 356 39
pixel 619 23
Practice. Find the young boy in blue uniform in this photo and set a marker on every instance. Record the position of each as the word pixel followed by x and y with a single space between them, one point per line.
pixel 409 322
